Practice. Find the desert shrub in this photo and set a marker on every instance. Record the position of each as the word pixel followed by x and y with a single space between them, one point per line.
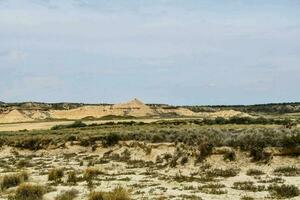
pixel 231 172
pixel 247 198
pixel 111 139
pixel 33 143
pixel 258 154
pixel 72 178
pixel 76 124
pixel 254 172
pixel 13 180
pixel 284 191
pixel 96 196
pixel 287 171
pixel 230 155
pixel 56 174
pixel 184 160
pixel 212 185
pixel 90 173
pixel 125 155
pixel 118 193
pixel 67 195
pixel 248 185
pixel 23 163
pixel 29 192
pixel 205 150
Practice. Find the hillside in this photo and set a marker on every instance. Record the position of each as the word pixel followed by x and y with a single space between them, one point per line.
pixel 27 112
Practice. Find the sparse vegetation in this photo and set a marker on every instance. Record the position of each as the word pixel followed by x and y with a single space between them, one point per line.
pixel 29 192
pixel 287 171
pixel 248 185
pixel 56 174
pixel 146 157
pixel 231 172
pixel 72 178
pixel 254 172
pixel 118 193
pixel 13 180
pixel 284 191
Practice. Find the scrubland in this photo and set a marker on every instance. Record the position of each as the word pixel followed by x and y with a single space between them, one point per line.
pixel 180 159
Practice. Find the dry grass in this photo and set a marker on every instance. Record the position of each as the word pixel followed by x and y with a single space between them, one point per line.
pixel 56 174
pixel 13 180
pixel 67 195
pixel 118 193
pixel 29 192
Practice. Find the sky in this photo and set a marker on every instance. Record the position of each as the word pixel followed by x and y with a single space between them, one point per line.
pixel 181 52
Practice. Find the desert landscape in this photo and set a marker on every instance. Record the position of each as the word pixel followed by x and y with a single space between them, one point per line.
pixel 137 151
pixel 149 100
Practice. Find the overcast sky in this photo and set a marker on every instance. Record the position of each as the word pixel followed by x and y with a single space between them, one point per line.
pixel 161 51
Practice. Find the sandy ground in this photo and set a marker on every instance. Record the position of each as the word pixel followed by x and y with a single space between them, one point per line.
pixel 48 125
pixel 145 181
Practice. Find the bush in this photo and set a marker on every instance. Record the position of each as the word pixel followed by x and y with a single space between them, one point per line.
pixel 284 191
pixel 248 185
pixel 111 139
pixel 118 193
pixel 72 179
pixel 13 180
pixel 231 172
pixel 29 192
pixel 56 175
pixel 258 154
pixel 91 173
pixel 230 155
pixel 205 150
pixel 23 163
pixel 287 171
pixel 96 196
pixel 254 172
pixel 67 195
pixel 76 124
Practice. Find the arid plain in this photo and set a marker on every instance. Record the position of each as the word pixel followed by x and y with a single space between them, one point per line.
pixel 148 151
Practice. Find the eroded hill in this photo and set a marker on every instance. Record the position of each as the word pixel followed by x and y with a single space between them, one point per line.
pixel 28 112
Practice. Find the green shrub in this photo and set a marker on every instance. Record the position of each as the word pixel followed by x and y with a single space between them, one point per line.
pixel 29 192
pixel 13 180
pixel 254 172
pixel 111 139
pixel 76 124
pixel 287 171
pixel 284 191
pixel 231 172
pixel 248 185
pixel 56 175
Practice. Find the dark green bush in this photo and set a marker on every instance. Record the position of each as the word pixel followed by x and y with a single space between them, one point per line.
pixel 284 191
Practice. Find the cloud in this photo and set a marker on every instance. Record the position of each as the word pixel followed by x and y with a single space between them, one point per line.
pixel 180 48
pixel 14 56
